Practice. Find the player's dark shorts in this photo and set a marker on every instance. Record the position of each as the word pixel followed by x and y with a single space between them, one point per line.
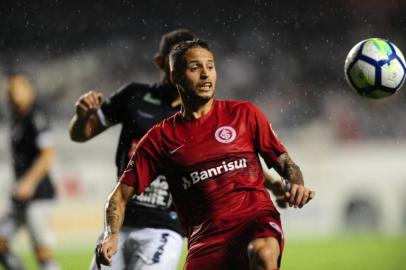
pixel 229 250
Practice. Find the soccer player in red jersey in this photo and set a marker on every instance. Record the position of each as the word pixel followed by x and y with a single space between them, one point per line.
pixel 209 151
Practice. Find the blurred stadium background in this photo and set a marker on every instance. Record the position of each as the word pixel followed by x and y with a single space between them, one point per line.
pixel 286 56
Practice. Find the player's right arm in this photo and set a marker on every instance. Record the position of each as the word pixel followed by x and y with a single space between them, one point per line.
pixel 275 155
pixel 141 170
pixel 114 216
pixel 86 124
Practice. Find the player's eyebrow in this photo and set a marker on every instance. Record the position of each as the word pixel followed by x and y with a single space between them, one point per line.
pixel 193 61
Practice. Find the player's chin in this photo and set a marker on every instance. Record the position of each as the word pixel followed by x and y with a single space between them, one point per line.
pixel 205 94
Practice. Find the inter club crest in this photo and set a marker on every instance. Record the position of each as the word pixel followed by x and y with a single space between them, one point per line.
pixel 225 134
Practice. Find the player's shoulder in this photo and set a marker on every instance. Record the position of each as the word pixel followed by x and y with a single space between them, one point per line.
pixel 165 127
pixel 159 131
pixel 169 122
pixel 237 105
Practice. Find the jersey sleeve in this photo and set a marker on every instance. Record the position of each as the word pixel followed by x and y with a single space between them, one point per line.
pixel 265 139
pixel 111 111
pixel 143 166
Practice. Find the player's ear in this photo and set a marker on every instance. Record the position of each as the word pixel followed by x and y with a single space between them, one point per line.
pixel 160 61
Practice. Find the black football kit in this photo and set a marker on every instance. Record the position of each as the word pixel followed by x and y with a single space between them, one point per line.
pixel 138 107
pixel 28 135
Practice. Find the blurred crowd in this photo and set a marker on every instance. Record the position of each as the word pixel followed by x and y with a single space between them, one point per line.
pixel 286 56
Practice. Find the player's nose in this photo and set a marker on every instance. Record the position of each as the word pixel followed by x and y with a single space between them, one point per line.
pixel 203 73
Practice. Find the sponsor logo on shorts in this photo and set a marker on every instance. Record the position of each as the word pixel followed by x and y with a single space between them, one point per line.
pixel 197 176
pixel 161 248
pixel 276 227
pixel 225 134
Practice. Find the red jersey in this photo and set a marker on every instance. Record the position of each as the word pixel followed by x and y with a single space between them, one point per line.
pixel 212 166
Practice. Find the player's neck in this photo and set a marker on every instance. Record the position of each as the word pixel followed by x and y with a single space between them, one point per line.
pixel 195 111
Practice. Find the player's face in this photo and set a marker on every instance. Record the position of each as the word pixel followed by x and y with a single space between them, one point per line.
pixel 199 76
pixel 20 94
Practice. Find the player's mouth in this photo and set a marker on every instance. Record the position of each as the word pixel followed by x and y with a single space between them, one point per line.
pixel 206 86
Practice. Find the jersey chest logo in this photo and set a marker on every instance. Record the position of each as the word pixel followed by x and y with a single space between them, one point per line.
pixel 225 134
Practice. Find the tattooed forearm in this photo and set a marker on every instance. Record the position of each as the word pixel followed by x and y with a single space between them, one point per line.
pixel 289 169
pixel 114 215
pixel 293 173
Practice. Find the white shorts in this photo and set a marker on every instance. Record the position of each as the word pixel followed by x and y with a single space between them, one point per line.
pixel 35 216
pixel 146 249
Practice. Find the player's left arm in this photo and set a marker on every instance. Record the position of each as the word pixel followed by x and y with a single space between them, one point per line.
pixel 28 183
pixel 296 193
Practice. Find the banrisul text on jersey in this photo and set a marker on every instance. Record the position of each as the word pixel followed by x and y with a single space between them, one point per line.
pixel 196 176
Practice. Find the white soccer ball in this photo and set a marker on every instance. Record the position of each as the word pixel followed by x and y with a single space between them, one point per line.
pixel 375 68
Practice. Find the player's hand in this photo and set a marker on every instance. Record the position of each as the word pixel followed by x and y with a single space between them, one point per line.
pixel 298 195
pixel 106 249
pixel 88 104
pixel 24 190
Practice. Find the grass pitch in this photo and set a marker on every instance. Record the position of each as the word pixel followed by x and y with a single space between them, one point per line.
pixel 339 252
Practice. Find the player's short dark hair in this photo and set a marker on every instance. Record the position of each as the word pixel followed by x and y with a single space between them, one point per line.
pixel 170 39
pixel 179 51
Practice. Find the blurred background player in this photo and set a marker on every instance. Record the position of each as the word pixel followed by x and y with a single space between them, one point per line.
pixel 209 151
pixel 151 237
pixel 33 196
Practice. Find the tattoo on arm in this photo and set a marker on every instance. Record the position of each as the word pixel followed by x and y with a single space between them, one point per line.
pixel 288 169
pixel 114 215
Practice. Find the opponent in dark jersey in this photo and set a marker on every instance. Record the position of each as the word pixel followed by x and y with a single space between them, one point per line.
pixel 29 134
pixel 209 152
pixel 149 215
pixel 138 107
pixel 32 155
